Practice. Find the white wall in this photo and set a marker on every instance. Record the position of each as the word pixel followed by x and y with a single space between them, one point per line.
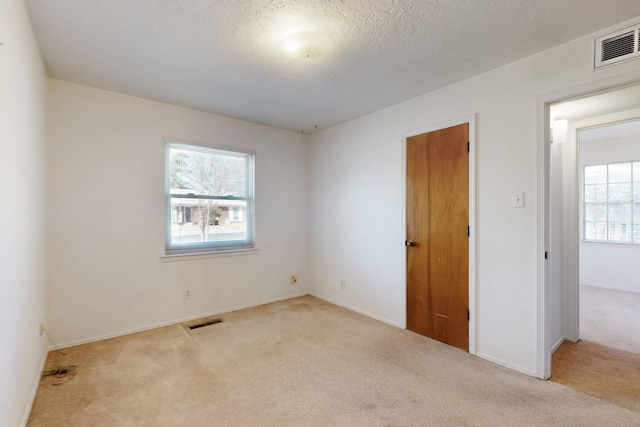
pixel 570 228
pixel 605 265
pixel 610 151
pixel 106 207
pixel 610 266
pixel 557 289
pixel 356 188
pixel 22 233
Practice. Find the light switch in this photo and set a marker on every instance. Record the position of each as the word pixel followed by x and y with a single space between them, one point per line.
pixel 517 199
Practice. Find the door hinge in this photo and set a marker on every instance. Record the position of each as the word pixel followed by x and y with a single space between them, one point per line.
pixel 468 231
pixel 546 254
pixel 468 147
pixel 468 314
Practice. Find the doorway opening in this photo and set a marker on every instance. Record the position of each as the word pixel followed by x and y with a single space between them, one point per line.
pixel 593 323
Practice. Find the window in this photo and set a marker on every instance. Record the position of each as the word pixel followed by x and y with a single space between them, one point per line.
pixel 611 197
pixel 236 214
pixel 209 194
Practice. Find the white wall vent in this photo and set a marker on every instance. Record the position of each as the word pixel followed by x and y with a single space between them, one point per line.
pixel 617 47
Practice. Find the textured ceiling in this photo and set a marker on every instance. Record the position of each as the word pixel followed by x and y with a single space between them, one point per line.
pixel 597 105
pixel 224 56
pixel 617 101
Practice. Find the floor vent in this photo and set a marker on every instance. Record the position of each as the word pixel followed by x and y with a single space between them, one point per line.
pixel 617 47
pixel 207 323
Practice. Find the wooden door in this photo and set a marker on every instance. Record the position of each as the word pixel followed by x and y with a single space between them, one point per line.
pixel 437 235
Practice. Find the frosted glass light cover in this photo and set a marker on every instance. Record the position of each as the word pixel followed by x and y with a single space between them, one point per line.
pixel 306 46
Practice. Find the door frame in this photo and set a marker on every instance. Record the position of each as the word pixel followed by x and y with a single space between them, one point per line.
pixel 471 120
pixel 544 344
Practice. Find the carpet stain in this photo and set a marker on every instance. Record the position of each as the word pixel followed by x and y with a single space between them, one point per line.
pixel 302 362
pixel 300 307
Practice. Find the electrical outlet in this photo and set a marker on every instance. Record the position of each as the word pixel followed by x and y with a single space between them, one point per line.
pixel 342 284
pixel 294 279
pixel 187 293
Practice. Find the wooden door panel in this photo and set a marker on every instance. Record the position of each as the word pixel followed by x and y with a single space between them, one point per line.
pixel 437 220
pixel 417 256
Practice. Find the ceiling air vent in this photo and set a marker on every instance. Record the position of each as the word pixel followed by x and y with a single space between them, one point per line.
pixel 617 47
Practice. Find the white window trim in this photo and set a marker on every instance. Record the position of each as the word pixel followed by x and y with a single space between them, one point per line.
pixel 212 249
pixel 205 255
pixel 584 208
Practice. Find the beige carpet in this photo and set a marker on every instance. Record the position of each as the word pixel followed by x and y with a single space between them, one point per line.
pixel 301 362
pixel 610 318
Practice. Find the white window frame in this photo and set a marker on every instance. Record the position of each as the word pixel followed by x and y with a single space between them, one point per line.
pixel 607 203
pixel 215 246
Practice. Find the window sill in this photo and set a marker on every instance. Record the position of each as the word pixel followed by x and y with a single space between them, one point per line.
pixel 205 255
pixel 610 243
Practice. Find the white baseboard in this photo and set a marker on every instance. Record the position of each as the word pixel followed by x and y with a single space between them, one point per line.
pixel 508 365
pixel 397 325
pixel 558 344
pixel 34 388
pixel 172 322
pixel 357 310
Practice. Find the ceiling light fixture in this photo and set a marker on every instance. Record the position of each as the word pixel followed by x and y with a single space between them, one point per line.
pixel 307 45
